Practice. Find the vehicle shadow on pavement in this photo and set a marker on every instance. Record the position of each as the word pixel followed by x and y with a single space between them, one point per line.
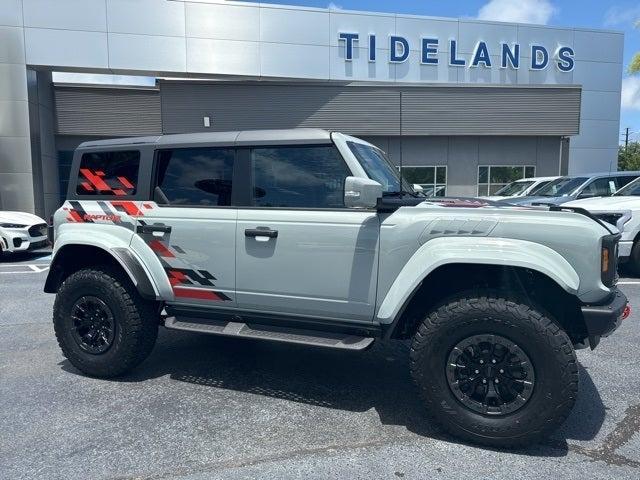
pixel 24 256
pixel 351 381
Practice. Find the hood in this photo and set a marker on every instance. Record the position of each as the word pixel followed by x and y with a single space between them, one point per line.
pixel 21 218
pixel 530 200
pixel 607 203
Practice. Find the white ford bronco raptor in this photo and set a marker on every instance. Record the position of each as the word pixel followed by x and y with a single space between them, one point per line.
pixel 310 237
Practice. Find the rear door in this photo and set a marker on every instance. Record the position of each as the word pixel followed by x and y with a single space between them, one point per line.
pixel 300 251
pixel 190 224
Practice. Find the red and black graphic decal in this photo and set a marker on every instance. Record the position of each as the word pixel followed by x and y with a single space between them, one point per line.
pixel 77 213
pixel 94 182
pixel 187 282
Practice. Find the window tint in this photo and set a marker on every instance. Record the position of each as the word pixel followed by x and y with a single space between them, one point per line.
pixel 195 176
pixel 299 177
pixel 108 173
pixel 623 180
pixel 601 187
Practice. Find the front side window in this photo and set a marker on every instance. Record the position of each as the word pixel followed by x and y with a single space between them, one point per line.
pixel 601 187
pixel 109 173
pixel 298 177
pixel 433 180
pixel 195 177
pixel 492 178
pixel 630 189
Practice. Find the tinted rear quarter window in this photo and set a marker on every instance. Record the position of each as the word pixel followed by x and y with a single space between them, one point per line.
pixel 109 173
pixel 195 177
pixel 298 177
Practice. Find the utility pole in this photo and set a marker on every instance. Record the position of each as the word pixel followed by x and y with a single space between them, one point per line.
pixel 626 138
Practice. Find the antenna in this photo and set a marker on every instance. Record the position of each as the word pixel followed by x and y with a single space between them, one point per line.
pixel 401 177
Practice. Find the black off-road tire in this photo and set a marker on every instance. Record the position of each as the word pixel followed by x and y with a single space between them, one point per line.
pixel 136 321
pixel 544 342
pixel 634 259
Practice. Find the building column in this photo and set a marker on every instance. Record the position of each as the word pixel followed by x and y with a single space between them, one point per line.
pixel 44 164
pixel 16 174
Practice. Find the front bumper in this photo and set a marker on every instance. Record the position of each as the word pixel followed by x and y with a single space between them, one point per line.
pixel 603 319
pixel 21 241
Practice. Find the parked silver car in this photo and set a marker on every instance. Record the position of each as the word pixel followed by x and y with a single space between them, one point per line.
pixel 311 237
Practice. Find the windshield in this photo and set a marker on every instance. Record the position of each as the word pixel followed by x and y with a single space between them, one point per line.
pixel 379 168
pixel 540 186
pixel 630 189
pixel 561 187
pixel 514 188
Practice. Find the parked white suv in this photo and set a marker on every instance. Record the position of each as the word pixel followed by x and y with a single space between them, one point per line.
pixel 20 231
pixel 622 210
pixel 524 187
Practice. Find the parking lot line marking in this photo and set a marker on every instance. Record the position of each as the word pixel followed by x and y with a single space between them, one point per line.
pixel 629 282
pixel 28 268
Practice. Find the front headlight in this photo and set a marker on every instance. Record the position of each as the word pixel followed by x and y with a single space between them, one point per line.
pixel 12 225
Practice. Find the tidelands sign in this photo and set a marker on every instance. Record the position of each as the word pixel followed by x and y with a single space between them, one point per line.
pixel 539 56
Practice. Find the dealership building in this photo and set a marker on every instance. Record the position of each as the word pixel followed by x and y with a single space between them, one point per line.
pixel 466 105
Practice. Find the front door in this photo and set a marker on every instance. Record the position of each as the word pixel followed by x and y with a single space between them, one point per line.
pixel 191 225
pixel 299 250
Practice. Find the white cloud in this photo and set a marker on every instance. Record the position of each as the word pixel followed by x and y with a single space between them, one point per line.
pixel 519 11
pixel 617 16
pixel 65 77
pixel 334 6
pixel 630 99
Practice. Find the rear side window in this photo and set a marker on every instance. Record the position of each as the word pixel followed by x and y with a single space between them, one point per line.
pixel 109 173
pixel 195 177
pixel 298 177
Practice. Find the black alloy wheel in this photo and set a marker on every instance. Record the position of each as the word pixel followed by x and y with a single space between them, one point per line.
pixel 92 324
pixel 490 374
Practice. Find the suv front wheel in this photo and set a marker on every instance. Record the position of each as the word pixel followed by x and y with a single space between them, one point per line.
pixel 103 326
pixel 494 370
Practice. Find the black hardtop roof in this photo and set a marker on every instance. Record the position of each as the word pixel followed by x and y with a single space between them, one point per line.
pixel 246 137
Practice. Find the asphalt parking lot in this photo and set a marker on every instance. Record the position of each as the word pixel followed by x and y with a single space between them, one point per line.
pixel 205 407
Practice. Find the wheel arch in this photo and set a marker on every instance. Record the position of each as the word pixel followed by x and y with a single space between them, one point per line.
pixel 445 266
pixel 71 257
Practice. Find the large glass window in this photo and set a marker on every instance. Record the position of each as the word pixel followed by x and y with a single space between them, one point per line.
pixel 432 179
pixel 298 177
pixel 195 176
pixel 108 173
pixel 492 178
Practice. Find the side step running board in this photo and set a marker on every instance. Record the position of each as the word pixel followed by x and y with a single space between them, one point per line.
pixel 267 332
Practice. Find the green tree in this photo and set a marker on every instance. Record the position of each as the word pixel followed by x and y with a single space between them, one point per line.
pixel 634 66
pixel 629 157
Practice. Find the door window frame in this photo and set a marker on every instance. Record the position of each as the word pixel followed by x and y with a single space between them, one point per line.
pixel 246 197
pixel 235 175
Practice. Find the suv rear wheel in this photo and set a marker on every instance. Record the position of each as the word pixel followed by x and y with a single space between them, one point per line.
pixel 103 326
pixel 494 370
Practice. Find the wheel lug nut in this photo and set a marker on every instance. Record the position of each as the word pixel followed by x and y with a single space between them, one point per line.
pixel 484 380
pixel 501 370
pixel 497 380
pixel 481 362
pixel 493 360
pixel 477 371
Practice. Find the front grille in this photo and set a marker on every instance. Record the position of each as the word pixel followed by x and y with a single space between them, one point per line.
pixel 39 230
pixel 610 218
